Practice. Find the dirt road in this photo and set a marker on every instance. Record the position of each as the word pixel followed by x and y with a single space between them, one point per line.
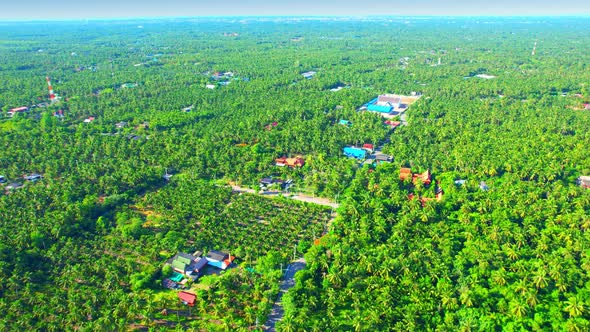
pixel 297 197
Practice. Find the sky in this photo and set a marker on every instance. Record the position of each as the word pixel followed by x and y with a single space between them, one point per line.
pixel 88 9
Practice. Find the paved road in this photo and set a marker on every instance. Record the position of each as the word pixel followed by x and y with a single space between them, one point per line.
pixel 288 281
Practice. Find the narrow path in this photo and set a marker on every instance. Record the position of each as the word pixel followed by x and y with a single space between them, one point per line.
pixel 288 282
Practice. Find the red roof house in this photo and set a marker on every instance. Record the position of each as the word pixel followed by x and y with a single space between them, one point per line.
pixel 187 298
pixel 368 147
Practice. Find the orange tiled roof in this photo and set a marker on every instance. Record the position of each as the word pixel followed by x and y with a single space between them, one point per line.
pixel 405 173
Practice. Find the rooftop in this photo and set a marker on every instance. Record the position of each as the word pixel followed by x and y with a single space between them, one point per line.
pixel 405 173
pixel 19 109
pixel 291 162
pixel 308 74
pixel 584 181
pixel 187 298
pixel 217 255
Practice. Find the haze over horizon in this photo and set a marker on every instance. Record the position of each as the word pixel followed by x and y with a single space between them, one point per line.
pixel 85 9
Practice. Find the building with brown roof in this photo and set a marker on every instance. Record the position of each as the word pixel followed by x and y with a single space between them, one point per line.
pixel 290 162
pixel 425 177
pixel 405 173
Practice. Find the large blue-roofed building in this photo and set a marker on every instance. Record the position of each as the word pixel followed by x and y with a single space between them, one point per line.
pixel 385 103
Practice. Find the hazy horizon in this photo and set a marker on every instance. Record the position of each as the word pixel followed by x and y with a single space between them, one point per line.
pixel 31 10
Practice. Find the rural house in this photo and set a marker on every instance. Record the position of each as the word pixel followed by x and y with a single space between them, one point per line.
pixel 33 177
pixel 584 181
pixel 290 162
pixel 425 177
pixel 188 265
pixel 219 259
pixel 269 181
pixel 308 75
pixel 14 111
pixel 406 173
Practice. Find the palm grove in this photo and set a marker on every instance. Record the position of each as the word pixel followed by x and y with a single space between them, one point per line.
pixel 83 248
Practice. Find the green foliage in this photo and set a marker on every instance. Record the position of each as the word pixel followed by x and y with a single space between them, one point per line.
pixel 84 247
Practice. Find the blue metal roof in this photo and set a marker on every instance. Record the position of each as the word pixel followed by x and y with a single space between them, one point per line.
pixel 379 108
pixel 354 152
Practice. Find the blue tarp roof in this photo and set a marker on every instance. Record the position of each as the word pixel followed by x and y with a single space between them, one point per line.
pixel 379 108
pixel 354 152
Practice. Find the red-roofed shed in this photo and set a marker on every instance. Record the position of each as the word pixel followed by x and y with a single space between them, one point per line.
pixel 368 147
pixel 187 298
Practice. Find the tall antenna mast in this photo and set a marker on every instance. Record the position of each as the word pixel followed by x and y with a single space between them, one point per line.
pixel 534 49
pixel 52 97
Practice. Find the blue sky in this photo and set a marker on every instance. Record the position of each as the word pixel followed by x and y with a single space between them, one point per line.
pixel 81 9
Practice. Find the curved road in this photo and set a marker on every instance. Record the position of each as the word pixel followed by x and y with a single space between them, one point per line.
pixel 288 281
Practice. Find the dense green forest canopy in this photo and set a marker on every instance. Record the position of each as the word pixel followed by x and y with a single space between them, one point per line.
pixel 83 247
